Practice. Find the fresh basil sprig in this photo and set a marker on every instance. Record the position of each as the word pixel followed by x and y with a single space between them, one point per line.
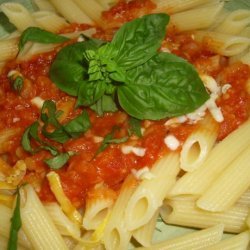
pixel 35 34
pixel 131 73
pixel 16 224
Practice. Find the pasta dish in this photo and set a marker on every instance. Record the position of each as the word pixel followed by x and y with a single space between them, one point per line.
pixel 120 116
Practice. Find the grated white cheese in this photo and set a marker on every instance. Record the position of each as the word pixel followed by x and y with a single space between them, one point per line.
pixel 13 73
pixel 171 142
pixel 135 150
pixel 37 101
pixel 80 39
pixel 214 110
pixel 225 88
pixel 143 174
pixel 210 104
pixel 97 139
pixel 15 119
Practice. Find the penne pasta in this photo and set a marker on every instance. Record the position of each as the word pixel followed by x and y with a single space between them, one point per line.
pixel 144 234
pixel 18 15
pixel 237 242
pixel 185 212
pixel 116 235
pixel 44 5
pixel 149 195
pixel 197 240
pixel 173 6
pixel 223 44
pixel 228 186
pixel 37 224
pixel 64 225
pixel 71 12
pixel 199 144
pixel 5 219
pixel 49 21
pixel 204 17
pixel 235 22
pixel 198 181
pixel 98 206
pixel 92 9
pixel 8 49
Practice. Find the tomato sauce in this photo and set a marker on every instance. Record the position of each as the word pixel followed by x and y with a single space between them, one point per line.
pixel 86 169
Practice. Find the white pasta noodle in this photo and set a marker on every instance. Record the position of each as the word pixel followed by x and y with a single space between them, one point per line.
pixel 229 185
pixel 18 15
pixel 149 195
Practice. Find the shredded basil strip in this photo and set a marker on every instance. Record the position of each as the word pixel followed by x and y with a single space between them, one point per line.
pixel 62 133
pixel 35 34
pixel 135 126
pixel 58 161
pixel 16 224
pixel 17 84
pixel 109 139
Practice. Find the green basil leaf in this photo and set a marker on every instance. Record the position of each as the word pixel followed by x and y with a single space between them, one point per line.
pixel 109 139
pixel 17 84
pixel 16 224
pixel 105 104
pixel 78 125
pixel 35 34
pixel 138 40
pixel 70 68
pixel 90 92
pixel 135 126
pixel 58 161
pixel 162 88
pixel 31 131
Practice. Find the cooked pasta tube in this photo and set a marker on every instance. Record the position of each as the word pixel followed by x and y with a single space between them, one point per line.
pixel 144 234
pixel 44 5
pixel 223 44
pixel 199 180
pixel 106 4
pixel 229 185
pixel 36 222
pixel 4 244
pixel 237 242
pixel 196 240
pixel 30 49
pixel 49 21
pixel 235 22
pixel 9 49
pixel 6 200
pixel 198 145
pixel 98 205
pixel 63 200
pixel 149 195
pixel 244 199
pixel 116 235
pixel 71 12
pixel 64 225
pixel 18 15
pixel 5 219
pixel 243 57
pixel 184 212
pixel 92 8
pixel 173 6
pixel 204 17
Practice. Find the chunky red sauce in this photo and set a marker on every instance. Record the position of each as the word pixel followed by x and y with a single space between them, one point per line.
pixel 85 170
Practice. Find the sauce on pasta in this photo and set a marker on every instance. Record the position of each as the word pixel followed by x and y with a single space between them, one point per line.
pixel 85 170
